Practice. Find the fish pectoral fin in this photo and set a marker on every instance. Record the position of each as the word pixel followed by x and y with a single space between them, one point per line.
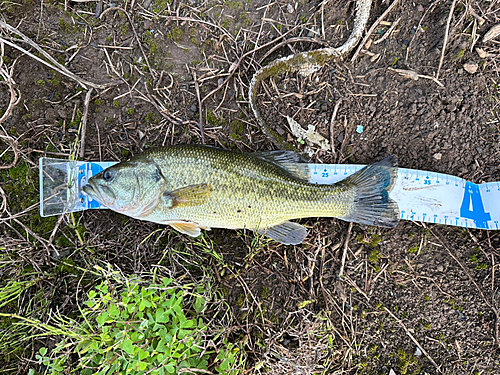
pixel 191 229
pixel 192 195
pixel 287 233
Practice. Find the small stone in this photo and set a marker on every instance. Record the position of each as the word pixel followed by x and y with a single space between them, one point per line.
pixel 437 156
pixel 280 130
pixel 63 113
pixel 289 8
pixel 470 68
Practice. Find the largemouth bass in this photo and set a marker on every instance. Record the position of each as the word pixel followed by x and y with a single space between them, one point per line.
pixel 193 187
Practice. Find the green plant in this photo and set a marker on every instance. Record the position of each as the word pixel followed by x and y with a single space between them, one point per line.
pixel 133 329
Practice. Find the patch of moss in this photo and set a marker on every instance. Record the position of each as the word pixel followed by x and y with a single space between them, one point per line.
pixel 67 27
pixel 264 294
pixel 160 5
pixel 212 120
pixel 241 300
pixel 124 28
pixel 408 363
pixel 125 153
pixel 152 119
pixel 233 4
pixel 237 130
pixel 20 183
pixel 413 249
pixel 149 40
pixel 175 34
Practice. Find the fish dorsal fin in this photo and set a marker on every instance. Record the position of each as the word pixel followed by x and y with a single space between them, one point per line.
pixel 280 156
pixel 287 233
pixel 290 161
pixel 297 170
pixel 192 195
pixel 191 229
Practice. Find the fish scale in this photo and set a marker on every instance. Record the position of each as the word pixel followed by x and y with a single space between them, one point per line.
pixel 247 192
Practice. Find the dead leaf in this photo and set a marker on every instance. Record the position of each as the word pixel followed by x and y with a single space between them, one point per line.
pixel 471 68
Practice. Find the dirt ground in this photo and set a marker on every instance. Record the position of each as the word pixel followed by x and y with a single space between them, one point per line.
pixel 410 288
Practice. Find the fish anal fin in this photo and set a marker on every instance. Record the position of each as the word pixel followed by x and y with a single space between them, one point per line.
pixel 192 195
pixel 287 233
pixel 189 228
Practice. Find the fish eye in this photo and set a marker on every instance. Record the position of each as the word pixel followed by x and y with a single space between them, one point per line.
pixel 108 175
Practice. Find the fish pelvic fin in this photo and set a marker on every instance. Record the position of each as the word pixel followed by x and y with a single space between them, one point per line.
pixel 372 204
pixel 191 229
pixel 287 233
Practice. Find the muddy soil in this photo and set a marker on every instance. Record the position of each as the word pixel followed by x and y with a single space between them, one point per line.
pixel 413 287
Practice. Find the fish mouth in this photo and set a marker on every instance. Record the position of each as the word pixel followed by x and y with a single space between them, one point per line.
pixel 93 192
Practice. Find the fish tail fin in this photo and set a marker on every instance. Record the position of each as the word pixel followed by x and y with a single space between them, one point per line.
pixel 372 204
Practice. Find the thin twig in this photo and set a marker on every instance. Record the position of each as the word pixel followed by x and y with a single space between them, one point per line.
pixel 346 136
pixel 55 65
pixel 372 29
pixel 332 122
pixel 413 339
pixel 388 32
pixel 495 311
pixel 344 253
pixel 235 66
pixel 135 35
pixel 200 107
pixel 414 75
pixel 446 37
pixel 86 103
pixel 15 97
pixel 99 141
pixel 419 27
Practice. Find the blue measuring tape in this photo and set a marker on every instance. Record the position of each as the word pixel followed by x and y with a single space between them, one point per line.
pixel 427 197
pixel 431 197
